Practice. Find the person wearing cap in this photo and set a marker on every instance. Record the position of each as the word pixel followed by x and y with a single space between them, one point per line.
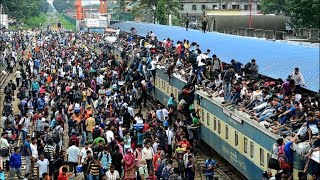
pixel 15 164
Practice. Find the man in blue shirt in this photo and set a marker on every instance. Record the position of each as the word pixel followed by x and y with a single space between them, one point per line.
pixel 209 166
pixel 15 164
pixel 27 153
pixel 290 111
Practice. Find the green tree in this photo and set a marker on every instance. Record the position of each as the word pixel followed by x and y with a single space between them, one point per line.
pixel 304 13
pixel 161 12
pixel 272 6
pixel 63 5
pixel 24 9
pixel 160 9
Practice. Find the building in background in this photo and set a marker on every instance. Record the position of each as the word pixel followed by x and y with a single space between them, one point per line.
pixel 196 8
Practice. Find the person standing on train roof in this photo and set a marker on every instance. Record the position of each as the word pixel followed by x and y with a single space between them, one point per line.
pixel 201 58
pixel 228 77
pixel 204 23
pixel 187 21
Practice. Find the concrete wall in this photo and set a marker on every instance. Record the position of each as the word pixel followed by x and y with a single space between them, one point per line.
pixel 220 23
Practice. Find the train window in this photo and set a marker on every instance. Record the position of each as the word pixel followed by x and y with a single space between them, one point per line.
pixel 219 127
pixel 261 157
pixel 164 86
pixel 171 90
pixel 236 138
pixel 245 145
pixel 214 123
pixel 251 149
pixel 194 7
pixel 202 114
pixel 227 132
pixel 208 119
pixel 268 157
pixel 168 90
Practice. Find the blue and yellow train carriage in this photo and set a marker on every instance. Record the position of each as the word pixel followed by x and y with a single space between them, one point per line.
pixel 242 142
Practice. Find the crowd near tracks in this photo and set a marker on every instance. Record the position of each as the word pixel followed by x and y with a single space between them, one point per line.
pixel 5 78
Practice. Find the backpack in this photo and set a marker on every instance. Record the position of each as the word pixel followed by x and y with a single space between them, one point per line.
pixel 138 173
pixel 282 159
pixel 193 58
pixel 175 177
pixel 7 90
pixel 96 132
pixel 78 95
pixel 166 173
pixel 56 135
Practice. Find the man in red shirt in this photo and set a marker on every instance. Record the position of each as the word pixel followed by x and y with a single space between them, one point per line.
pixel 184 143
pixel 74 138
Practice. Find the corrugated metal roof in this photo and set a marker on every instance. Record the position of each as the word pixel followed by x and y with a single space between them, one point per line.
pixel 276 59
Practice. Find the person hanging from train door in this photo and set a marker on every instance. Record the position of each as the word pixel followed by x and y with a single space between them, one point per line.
pixel 204 23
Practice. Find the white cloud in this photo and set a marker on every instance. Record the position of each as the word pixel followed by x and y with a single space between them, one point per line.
pixel 89 2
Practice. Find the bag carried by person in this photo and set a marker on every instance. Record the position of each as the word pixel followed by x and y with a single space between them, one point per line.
pixel 282 159
pixel 166 173
pixel 274 164
pixel 56 136
pixel 4 151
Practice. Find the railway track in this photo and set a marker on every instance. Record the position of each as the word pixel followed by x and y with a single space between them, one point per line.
pixel 4 79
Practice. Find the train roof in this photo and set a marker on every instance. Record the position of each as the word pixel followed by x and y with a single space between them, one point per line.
pixel 275 59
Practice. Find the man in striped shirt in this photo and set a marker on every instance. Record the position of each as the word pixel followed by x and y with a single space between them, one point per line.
pixel 48 151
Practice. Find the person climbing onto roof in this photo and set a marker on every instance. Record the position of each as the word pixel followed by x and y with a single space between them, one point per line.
pixel 298 78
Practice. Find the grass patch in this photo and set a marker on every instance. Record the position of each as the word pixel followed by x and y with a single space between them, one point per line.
pixel 34 22
pixel 66 23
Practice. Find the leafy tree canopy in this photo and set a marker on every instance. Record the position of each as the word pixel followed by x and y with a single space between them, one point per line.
pixel 304 13
pixel 62 5
pixel 24 9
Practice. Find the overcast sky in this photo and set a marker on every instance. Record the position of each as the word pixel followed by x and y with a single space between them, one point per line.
pixel 89 2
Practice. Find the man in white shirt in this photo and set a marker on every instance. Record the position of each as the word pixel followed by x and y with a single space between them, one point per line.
pixel 24 123
pixel 43 166
pixel 165 113
pixel 110 135
pixel 18 77
pixel 83 152
pixel 118 32
pixel 147 154
pixel 170 135
pixel 112 174
pixel 72 156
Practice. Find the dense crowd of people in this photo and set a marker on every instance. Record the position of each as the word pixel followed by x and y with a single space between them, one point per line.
pixel 87 106
pixel 82 113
